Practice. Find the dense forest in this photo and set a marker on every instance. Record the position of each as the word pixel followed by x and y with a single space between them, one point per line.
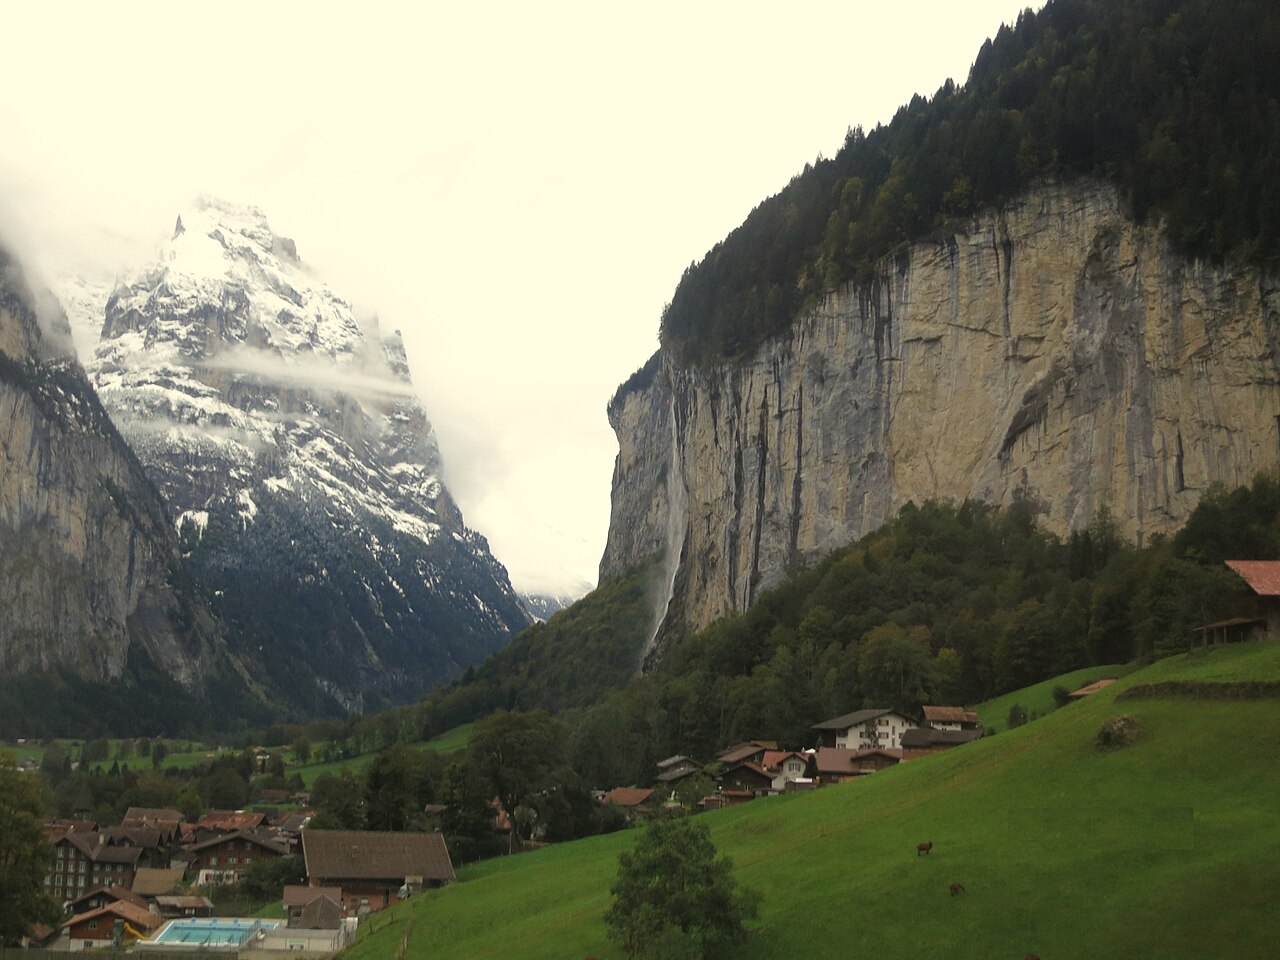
pixel 947 603
pixel 1176 102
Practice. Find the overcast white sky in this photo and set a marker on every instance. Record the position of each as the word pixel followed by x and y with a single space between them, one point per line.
pixel 517 187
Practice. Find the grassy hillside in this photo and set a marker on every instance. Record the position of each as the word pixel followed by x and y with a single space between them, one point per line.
pixel 1166 848
pixel 451 741
pixel 1038 698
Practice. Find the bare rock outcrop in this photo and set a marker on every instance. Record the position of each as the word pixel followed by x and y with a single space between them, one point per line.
pixel 1053 353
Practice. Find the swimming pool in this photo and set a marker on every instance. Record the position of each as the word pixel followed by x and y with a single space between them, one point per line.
pixel 225 932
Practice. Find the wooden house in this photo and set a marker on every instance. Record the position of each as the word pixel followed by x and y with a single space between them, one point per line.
pixel 373 868
pixel 863 729
pixel 225 858
pixel 926 740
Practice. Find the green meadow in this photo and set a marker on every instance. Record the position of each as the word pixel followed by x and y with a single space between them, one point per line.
pixel 1037 699
pixel 1167 848
pixel 451 741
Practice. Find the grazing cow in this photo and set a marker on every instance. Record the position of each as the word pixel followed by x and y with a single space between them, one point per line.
pixel 1033 956
pixel 923 847
pixel 957 888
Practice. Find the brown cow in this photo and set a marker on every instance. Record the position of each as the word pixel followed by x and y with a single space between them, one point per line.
pixel 957 888
pixel 923 847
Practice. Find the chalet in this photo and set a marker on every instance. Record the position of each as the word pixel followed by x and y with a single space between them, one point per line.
pixel 785 766
pixel 668 780
pixel 375 869
pixel 101 896
pixel 752 750
pixel 674 770
pixel 747 777
pixel 926 740
pixel 875 727
pixel 678 762
pixel 950 718
pixel 157 843
pixel 226 857
pixel 1263 579
pixel 313 908
pixel 96 928
pixel 85 860
pixel 837 764
pixel 1091 688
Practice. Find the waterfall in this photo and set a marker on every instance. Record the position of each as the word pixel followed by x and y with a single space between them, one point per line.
pixel 673 548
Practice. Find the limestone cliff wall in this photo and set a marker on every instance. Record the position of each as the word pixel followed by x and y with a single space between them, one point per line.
pixel 88 562
pixel 1053 353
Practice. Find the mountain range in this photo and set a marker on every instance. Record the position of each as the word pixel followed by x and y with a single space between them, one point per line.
pixel 298 476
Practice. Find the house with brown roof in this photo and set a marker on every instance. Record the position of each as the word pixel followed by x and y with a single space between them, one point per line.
pixel 926 740
pixel 375 869
pixel 747 777
pixel 636 801
pixel 157 881
pixel 85 860
pixel 226 857
pixel 950 718
pixel 95 928
pixel 673 770
pixel 861 729
pixel 838 764
pixel 101 896
pixel 313 908
pixel 752 750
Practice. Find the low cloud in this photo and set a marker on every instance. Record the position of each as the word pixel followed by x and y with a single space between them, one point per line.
pixel 312 374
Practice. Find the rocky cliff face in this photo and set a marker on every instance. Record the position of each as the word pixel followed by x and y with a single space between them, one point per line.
pixel 1053 354
pixel 90 573
pixel 298 466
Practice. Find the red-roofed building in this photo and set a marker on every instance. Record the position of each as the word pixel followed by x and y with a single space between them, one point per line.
pixel 633 798
pixel 1258 618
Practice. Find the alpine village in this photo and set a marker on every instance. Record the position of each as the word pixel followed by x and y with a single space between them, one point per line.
pixel 938 613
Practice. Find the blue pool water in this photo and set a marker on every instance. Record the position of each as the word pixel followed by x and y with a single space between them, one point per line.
pixel 220 932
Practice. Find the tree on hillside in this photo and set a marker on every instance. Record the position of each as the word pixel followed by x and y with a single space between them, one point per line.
pixel 519 755
pixel 674 898
pixel 397 786
pixel 25 856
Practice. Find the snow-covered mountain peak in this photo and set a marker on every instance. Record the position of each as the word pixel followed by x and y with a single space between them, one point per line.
pixel 285 436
